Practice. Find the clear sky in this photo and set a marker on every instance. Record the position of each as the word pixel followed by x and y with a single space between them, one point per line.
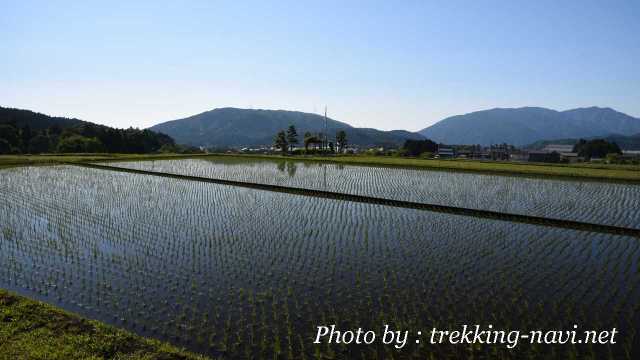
pixel 388 64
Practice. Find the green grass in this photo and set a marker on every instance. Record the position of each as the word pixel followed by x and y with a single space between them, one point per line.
pixel 34 330
pixel 629 173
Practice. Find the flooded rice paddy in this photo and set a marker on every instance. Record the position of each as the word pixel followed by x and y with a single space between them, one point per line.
pixel 587 201
pixel 243 273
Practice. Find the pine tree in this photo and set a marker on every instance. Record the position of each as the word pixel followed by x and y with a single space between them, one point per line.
pixel 292 136
pixel 280 141
pixel 341 139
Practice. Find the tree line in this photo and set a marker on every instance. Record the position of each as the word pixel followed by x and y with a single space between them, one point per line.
pixel 597 148
pixel 85 138
pixel 419 147
pixel 29 132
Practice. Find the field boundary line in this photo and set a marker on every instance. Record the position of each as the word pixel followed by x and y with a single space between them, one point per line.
pixel 454 210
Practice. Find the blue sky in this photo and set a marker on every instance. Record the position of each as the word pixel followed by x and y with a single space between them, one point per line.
pixel 388 64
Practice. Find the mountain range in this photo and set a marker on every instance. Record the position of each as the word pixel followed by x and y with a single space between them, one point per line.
pixel 522 126
pixel 232 127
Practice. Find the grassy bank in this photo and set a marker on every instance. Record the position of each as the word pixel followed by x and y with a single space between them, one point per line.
pixel 630 173
pixel 34 330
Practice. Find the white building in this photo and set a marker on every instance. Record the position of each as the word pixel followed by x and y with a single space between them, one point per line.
pixel 558 148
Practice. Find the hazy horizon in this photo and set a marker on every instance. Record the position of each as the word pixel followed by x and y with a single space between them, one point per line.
pixel 379 65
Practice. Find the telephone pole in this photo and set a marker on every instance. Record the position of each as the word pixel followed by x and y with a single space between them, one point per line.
pixel 326 135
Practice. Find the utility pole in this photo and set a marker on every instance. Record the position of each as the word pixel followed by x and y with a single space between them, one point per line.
pixel 326 136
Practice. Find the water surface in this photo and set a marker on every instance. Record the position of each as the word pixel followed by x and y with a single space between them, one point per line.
pixel 243 273
pixel 588 201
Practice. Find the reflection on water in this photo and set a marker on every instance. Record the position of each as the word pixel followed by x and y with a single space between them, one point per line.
pixel 562 199
pixel 291 168
pixel 163 258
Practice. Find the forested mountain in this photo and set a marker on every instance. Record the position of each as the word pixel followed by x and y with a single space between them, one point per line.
pixel 232 127
pixel 604 121
pixel 24 131
pixel 527 125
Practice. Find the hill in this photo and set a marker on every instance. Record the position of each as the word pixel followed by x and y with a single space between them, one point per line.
pixel 20 118
pixel 522 126
pixel 25 131
pixel 232 127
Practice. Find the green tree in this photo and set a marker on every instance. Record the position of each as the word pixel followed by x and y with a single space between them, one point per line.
pixel 292 136
pixel 169 149
pixel 341 140
pixel 310 139
pixel 39 144
pixel 597 148
pixel 79 144
pixel 25 135
pixel 55 130
pixel 93 145
pixel 280 141
pixel 10 135
pixel 307 135
pixel 5 147
pixel 417 147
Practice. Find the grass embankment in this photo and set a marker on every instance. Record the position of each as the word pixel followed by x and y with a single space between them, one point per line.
pixel 34 330
pixel 628 173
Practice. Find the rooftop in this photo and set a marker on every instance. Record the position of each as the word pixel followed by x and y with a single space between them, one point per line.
pixel 558 148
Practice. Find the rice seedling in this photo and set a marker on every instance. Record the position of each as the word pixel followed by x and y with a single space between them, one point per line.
pixel 580 200
pixel 245 273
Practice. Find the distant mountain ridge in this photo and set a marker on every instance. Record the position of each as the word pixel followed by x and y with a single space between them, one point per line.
pixel 522 126
pixel 233 127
